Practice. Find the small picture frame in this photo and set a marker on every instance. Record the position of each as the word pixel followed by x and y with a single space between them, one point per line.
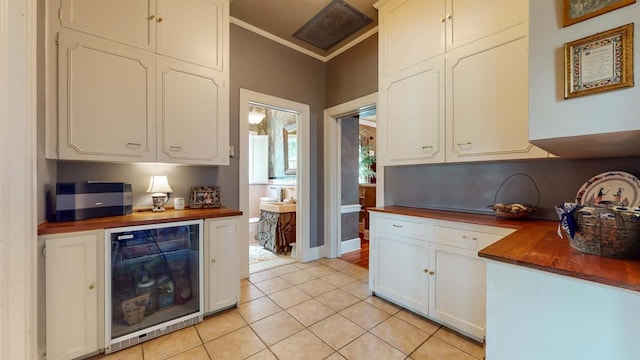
pixel 599 62
pixel 574 11
pixel 204 197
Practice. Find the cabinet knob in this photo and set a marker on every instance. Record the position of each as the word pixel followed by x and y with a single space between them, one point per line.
pixel 151 17
pixel 159 19
pixel 469 237
pixel 398 226
pixel 425 271
pixel 468 143
pixel 432 273
pixel 427 148
pixel 448 16
pixel 213 260
pixel 91 287
pixel 443 19
pixel 175 148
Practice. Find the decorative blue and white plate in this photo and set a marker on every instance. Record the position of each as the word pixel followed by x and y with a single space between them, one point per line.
pixel 616 187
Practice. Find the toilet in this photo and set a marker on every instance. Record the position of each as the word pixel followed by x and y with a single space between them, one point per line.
pixel 253 222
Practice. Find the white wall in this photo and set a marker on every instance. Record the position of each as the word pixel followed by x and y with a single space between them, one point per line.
pixel 550 115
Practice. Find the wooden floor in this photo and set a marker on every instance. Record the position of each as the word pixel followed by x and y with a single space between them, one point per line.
pixel 359 257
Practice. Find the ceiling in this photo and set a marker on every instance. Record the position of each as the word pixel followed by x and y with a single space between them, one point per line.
pixel 284 17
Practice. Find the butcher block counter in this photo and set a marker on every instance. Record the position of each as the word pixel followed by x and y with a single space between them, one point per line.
pixel 136 218
pixel 535 244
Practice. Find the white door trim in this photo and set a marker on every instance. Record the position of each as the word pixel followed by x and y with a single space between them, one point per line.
pixel 302 182
pixel 332 171
pixel 18 92
pixel 348 209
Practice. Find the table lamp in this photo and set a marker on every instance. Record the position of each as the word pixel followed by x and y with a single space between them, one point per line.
pixel 159 187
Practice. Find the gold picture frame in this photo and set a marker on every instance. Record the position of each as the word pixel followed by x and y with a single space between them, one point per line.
pixel 599 62
pixel 574 11
pixel 204 197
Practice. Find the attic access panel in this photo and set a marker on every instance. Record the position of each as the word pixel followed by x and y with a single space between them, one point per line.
pixel 332 24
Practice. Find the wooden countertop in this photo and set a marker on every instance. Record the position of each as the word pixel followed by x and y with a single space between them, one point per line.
pixel 535 244
pixel 136 218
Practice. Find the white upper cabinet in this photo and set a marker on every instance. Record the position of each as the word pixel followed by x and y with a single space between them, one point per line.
pixel 484 85
pixel 134 19
pixel 487 99
pixel 414 112
pixel 413 32
pixel 106 100
pixel 470 20
pixel 190 111
pixel 190 30
pixel 138 81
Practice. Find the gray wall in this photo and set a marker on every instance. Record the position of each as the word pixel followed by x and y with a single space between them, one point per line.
pixel 471 187
pixel 349 175
pixel 261 65
pixel 354 73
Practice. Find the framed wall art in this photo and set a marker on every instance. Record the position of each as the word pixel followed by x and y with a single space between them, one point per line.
pixel 204 197
pixel 599 62
pixel 574 11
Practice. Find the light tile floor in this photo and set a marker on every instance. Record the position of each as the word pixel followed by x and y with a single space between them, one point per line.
pixel 318 310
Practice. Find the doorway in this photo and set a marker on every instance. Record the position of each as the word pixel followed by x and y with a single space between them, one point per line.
pixel 340 212
pixel 281 175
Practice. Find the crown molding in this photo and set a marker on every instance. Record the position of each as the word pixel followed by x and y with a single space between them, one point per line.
pixel 299 48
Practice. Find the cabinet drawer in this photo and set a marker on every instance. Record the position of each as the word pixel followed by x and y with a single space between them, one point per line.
pixel 463 238
pixel 401 226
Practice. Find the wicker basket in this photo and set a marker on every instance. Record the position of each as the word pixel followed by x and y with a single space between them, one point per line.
pixel 514 211
pixel 607 231
pixel 133 309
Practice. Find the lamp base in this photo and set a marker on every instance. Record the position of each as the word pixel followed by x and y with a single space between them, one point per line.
pixel 158 202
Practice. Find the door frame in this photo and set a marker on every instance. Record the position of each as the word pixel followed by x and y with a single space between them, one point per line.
pixel 333 171
pixel 18 123
pixel 303 217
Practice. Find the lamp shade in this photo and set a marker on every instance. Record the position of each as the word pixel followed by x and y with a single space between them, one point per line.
pixel 159 184
pixel 256 117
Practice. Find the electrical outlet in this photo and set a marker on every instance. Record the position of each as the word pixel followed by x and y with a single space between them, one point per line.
pixel 232 151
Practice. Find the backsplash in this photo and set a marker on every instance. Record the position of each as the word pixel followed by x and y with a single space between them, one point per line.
pixel 472 186
pixel 181 178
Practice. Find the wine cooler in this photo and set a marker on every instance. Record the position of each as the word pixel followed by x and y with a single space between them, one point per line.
pixel 153 281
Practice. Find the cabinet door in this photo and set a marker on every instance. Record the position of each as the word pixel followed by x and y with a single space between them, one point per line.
pixel 400 270
pixel 412 111
pixel 126 21
pixel 72 295
pixel 222 279
pixel 457 288
pixel 106 100
pixel 487 99
pixel 193 126
pixel 193 30
pixel 470 20
pixel 411 31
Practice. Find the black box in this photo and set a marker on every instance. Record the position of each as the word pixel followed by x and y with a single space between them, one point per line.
pixel 85 200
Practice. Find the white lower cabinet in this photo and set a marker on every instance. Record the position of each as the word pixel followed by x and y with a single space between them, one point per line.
pixel 457 288
pixel 74 294
pixel 222 277
pixel 432 267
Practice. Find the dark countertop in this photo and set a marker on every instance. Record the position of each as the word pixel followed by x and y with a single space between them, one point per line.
pixel 535 244
pixel 136 218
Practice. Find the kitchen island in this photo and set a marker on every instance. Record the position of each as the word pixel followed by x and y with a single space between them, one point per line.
pixel 546 300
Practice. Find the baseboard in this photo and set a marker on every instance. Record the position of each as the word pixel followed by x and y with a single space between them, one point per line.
pixel 350 245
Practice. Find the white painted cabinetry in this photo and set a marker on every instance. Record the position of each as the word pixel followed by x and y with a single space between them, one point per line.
pixel 399 261
pixel 484 50
pixel 188 30
pixel 74 294
pixel 432 267
pixel 414 110
pixel 191 113
pixel 487 99
pixel 107 100
pixel 134 85
pixel 222 277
